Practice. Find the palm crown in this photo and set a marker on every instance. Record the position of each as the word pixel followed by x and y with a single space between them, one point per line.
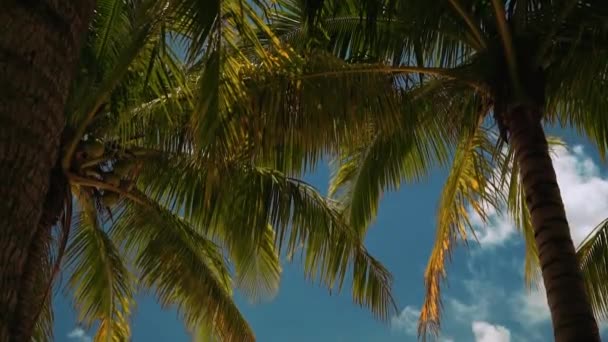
pixel 170 187
pixel 447 66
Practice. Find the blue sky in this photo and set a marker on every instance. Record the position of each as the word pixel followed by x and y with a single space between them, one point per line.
pixel 484 300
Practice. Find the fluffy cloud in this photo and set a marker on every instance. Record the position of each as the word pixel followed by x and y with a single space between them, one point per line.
pixel 484 297
pixel 584 191
pixel 583 188
pixel 464 312
pixel 407 321
pixel 486 332
pixel 496 231
pixel 531 306
pixel 486 301
pixel 80 335
pixel 528 307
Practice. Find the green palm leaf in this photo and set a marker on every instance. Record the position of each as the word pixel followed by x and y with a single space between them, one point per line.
pixel 181 127
pixel 465 186
pixel 43 330
pixel 101 283
pixel 381 160
pixel 302 217
pixel 593 256
pixel 165 246
pixel 258 268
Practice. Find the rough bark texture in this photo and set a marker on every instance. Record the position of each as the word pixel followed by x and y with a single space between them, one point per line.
pixel 571 312
pixel 36 282
pixel 40 42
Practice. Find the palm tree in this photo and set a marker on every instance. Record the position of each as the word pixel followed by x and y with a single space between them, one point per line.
pixel 167 194
pixel 456 62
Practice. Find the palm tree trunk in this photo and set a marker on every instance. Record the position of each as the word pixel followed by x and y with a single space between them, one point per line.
pixel 40 42
pixel 36 283
pixel 571 311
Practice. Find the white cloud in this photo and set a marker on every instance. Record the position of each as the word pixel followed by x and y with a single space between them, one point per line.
pixel 531 306
pixel 530 309
pixel 80 335
pixel 464 312
pixel 496 231
pixel 484 295
pixel 486 332
pixel 407 321
pixel 584 191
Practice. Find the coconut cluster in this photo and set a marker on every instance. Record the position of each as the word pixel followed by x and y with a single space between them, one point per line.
pixel 106 162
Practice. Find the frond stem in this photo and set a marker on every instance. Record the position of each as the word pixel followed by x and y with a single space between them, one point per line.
pixel 441 72
pixel 83 181
pixel 381 69
pixel 546 43
pixel 446 237
pixel 93 162
pixel 66 160
pixel 470 23
pixel 507 41
pixel 590 236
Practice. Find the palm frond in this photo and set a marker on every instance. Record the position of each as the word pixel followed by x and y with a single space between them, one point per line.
pixel 466 189
pixel 382 30
pixel 101 284
pixel 302 217
pixel 164 245
pixel 475 30
pixel 206 192
pixel 54 232
pixel 47 274
pixel 577 95
pixel 258 268
pixel 329 103
pixel 593 257
pixel 43 331
pixel 297 212
pixel 218 33
pixel 117 71
pixel 381 163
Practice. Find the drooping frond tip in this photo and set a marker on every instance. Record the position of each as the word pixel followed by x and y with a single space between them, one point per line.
pixel 593 258
pixel 465 193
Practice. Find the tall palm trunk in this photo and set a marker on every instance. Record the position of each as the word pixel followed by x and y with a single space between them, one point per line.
pixel 571 313
pixel 36 283
pixel 40 42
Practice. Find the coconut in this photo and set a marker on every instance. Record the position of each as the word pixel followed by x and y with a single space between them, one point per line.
pixel 123 167
pixel 94 148
pixel 112 179
pixel 110 198
pixel 92 172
